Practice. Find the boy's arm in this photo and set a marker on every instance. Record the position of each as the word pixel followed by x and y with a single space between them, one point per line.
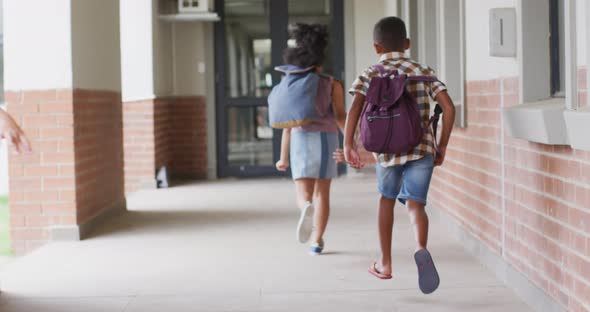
pixel 283 163
pixel 350 149
pixel 448 108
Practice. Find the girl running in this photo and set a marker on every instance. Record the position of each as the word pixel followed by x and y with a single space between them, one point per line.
pixel 308 149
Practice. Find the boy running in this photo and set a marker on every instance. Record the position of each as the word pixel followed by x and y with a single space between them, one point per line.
pixel 405 177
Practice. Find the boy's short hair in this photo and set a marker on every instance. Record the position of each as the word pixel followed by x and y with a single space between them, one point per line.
pixel 390 32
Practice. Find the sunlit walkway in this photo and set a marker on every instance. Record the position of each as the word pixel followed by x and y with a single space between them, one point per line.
pixel 230 246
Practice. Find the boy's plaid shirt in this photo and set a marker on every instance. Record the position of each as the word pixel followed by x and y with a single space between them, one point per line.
pixel 424 92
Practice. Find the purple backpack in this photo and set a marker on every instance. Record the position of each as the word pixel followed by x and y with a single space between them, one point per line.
pixel 391 122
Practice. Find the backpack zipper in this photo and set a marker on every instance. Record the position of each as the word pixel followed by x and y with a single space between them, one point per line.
pixel 389 128
pixel 371 118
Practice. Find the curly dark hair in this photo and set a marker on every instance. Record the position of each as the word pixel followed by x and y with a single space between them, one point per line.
pixel 311 41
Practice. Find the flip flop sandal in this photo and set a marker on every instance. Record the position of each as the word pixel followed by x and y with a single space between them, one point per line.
pixel 428 278
pixel 373 271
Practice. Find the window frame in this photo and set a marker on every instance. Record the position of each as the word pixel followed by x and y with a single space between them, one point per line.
pixel 446 51
pixel 415 13
pixel 571 56
pixel 554 47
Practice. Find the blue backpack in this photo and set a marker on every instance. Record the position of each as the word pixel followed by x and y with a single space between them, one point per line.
pixel 292 103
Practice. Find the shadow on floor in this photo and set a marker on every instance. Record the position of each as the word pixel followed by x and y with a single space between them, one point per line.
pixel 9 303
pixel 163 221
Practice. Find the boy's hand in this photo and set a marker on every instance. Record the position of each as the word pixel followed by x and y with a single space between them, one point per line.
pixel 15 136
pixel 282 165
pixel 440 156
pixel 338 155
pixel 352 157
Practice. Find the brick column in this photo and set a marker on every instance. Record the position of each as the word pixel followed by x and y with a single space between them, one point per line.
pixel 42 185
pixel 147 130
pixel 68 100
pixel 167 131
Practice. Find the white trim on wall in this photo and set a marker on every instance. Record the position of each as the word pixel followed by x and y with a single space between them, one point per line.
pixel 571 58
pixel 463 55
pixel 429 36
pixel 451 52
pixel 588 54
pixel 350 44
pixel 421 21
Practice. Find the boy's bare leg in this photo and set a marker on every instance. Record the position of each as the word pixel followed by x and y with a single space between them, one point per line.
pixel 322 208
pixel 419 220
pixel 386 207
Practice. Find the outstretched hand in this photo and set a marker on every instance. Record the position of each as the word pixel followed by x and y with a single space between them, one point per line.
pixel 353 157
pixel 15 136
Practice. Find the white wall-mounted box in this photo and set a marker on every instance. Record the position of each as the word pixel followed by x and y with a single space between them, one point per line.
pixel 503 32
pixel 193 6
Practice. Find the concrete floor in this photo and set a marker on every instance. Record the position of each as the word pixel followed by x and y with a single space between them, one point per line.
pixel 230 246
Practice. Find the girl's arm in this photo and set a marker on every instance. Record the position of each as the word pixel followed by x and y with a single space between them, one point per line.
pixel 283 163
pixel 338 104
pixel 339 110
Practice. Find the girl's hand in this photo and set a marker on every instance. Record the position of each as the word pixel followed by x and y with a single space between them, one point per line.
pixel 338 155
pixel 352 157
pixel 282 165
pixel 15 136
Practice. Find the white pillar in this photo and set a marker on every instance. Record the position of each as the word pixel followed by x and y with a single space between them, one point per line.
pixel 137 49
pixel 38 55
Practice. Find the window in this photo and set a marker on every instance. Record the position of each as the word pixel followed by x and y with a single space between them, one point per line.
pixel 551 72
pixel 555 96
pixel 437 32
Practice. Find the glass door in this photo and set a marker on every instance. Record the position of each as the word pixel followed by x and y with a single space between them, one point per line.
pixel 250 41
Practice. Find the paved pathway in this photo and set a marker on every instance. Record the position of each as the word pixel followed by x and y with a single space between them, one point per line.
pixel 230 246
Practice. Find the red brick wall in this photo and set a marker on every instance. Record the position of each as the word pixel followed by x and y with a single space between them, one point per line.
pixel 170 132
pixel 529 204
pixel 98 137
pixel 139 144
pixel 163 131
pixel 74 171
pixel 189 137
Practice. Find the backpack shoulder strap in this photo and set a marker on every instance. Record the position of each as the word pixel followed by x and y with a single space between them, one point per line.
pixel 423 78
pixel 292 69
pixel 381 69
pixel 433 125
pixel 331 78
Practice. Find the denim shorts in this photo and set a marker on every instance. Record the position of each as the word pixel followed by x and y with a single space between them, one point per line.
pixel 409 181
